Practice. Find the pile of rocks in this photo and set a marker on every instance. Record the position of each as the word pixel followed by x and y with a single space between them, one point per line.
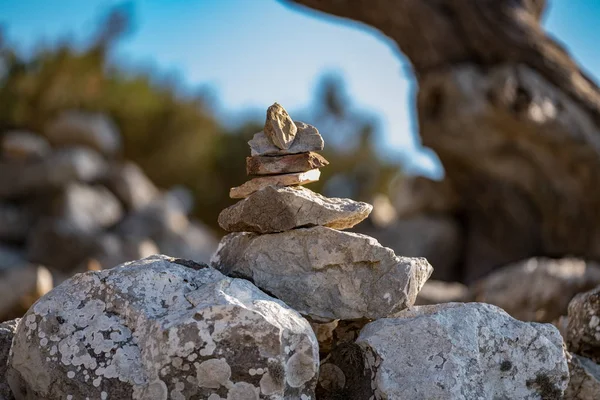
pixel 320 313
pixel 69 204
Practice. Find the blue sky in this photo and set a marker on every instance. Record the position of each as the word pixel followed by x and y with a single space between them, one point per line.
pixel 251 53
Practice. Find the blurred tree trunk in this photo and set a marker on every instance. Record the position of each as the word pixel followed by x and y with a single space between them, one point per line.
pixel 514 120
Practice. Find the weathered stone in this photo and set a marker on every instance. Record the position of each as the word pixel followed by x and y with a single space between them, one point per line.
pixel 86 129
pixel 279 127
pixel 89 208
pixel 56 170
pixel 274 165
pixel 438 292
pixel 307 139
pixel 585 379
pixel 324 273
pixel 438 238
pixel 7 332
pixel 162 328
pixel 278 209
pixel 538 289
pixel 129 183
pixel 583 331
pixel 451 351
pixel 23 145
pixel 15 222
pixel 253 185
pixel 20 287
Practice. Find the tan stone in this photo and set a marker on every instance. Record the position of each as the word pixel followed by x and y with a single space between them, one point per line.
pixel 279 127
pixel 274 165
pixel 253 185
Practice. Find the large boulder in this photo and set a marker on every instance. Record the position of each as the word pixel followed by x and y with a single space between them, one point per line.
pixel 7 332
pixel 86 129
pixel 583 331
pixel 449 351
pixel 585 379
pixel 537 289
pixel 278 209
pixel 324 273
pixel 162 328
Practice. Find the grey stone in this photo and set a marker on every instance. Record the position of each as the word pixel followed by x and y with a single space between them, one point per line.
pixel 162 328
pixel 129 183
pixel 56 170
pixel 23 146
pixel 450 351
pixel 15 222
pixel 537 289
pixel 307 139
pixel 279 209
pixel 585 379
pixel 279 127
pixel 7 332
pixel 324 273
pixel 86 129
pixel 89 208
pixel 583 330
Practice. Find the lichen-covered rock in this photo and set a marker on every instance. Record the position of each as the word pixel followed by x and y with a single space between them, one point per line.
pixel 307 139
pixel 162 328
pixel 537 289
pixel 7 331
pixel 87 129
pixel 256 184
pixel 583 330
pixel 279 127
pixel 449 351
pixel 585 379
pixel 274 165
pixel 279 209
pixel 324 273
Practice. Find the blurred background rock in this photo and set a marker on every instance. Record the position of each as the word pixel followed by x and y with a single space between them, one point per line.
pixel 101 163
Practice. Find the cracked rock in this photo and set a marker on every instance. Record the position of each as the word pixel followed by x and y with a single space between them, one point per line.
pixel 156 329
pixel 449 351
pixel 279 127
pixel 279 209
pixel 307 139
pixel 324 273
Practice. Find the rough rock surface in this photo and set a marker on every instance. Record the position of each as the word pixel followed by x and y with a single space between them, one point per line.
pixel 324 273
pixel 279 127
pixel 7 331
pixel 279 209
pixel 87 129
pixel 583 331
pixel 23 145
pixel 162 328
pixel 307 139
pixel 59 168
pixel 274 165
pixel 585 379
pixel 449 351
pixel 253 185
pixel 538 289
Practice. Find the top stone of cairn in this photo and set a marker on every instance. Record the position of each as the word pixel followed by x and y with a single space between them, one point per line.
pixel 279 127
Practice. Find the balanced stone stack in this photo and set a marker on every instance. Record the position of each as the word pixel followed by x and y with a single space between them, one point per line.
pixel 288 240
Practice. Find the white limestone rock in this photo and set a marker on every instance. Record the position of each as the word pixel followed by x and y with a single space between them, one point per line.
pixel 162 328
pixel 324 273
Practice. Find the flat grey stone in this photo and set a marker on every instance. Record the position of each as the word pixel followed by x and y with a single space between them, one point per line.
pixel 162 328
pixel 307 139
pixel 324 273
pixel 278 209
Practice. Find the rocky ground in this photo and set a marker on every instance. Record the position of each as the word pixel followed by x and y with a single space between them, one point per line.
pixel 291 305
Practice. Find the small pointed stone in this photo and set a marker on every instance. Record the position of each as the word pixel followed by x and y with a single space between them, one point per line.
pixel 307 139
pixel 253 185
pixel 279 127
pixel 275 165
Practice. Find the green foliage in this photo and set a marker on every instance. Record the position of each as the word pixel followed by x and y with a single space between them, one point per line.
pixel 173 135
